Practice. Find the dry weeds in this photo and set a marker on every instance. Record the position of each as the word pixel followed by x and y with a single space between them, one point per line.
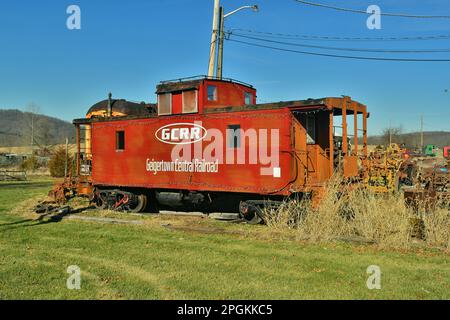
pixel 347 213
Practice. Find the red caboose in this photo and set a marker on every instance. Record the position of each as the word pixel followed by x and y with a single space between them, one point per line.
pixel 207 145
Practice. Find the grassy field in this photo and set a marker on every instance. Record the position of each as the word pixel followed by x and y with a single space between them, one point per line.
pixel 193 258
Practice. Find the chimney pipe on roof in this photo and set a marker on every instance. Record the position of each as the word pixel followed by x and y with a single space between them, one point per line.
pixel 109 110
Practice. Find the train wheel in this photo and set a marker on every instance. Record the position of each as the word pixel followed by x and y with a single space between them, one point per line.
pixel 139 204
pixel 100 201
pixel 100 205
pixel 250 213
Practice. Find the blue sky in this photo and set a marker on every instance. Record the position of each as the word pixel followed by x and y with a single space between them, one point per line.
pixel 127 47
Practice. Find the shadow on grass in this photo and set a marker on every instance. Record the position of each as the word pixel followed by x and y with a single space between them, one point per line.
pixel 42 220
pixel 16 222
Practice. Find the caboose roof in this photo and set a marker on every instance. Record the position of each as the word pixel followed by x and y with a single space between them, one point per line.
pixel 183 84
pixel 330 103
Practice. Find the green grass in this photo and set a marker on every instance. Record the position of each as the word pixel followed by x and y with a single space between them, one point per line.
pixel 153 262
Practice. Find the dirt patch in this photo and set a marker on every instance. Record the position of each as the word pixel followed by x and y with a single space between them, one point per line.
pixel 103 220
pixel 204 230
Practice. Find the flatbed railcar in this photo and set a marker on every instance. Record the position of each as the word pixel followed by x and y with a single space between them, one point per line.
pixel 208 145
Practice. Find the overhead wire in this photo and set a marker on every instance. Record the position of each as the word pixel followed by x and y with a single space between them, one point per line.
pixel 401 15
pixel 334 38
pixel 339 56
pixel 340 48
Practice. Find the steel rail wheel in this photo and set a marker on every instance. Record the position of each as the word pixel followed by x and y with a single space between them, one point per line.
pixel 138 204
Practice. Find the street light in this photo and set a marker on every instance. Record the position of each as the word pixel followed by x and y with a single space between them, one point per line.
pixel 218 29
pixel 255 8
pixel 223 16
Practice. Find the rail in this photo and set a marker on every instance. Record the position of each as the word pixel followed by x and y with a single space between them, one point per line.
pixel 203 77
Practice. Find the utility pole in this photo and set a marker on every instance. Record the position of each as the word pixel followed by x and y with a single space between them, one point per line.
pixel 32 131
pixel 421 133
pixel 390 133
pixel 66 165
pixel 221 40
pixel 212 53
pixel 220 32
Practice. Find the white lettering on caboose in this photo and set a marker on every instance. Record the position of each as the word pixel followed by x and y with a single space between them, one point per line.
pixel 181 133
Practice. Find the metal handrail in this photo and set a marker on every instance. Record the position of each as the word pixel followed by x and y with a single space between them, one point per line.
pixel 204 77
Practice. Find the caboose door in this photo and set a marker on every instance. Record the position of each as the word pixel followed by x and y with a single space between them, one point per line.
pixel 301 152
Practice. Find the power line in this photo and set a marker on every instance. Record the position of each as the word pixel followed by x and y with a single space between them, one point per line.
pixel 340 49
pixel 340 56
pixel 334 38
pixel 401 15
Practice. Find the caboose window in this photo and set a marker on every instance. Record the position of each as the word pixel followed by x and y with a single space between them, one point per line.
pixel 234 136
pixel 311 129
pixel 248 98
pixel 165 104
pixel 190 101
pixel 120 140
pixel 212 93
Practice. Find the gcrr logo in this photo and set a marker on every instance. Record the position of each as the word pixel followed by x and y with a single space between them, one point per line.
pixel 181 133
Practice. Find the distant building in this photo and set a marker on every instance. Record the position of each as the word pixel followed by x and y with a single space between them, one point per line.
pixel 12 159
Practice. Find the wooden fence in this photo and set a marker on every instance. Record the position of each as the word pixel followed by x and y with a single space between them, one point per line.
pixel 13 175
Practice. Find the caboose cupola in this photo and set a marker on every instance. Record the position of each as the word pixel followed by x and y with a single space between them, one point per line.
pixel 195 95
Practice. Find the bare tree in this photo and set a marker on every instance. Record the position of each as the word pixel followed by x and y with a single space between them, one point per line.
pixel 392 135
pixel 31 112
